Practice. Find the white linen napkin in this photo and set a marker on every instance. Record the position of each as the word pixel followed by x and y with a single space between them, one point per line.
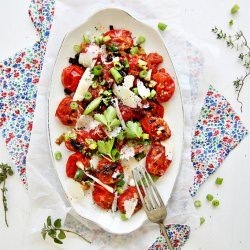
pixel 45 191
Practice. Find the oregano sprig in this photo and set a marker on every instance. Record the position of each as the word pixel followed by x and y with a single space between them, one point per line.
pixel 5 171
pixel 56 232
pixel 239 42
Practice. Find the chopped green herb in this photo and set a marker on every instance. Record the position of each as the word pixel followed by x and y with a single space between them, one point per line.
pixel 120 190
pixel 140 156
pixel 98 40
pixel 197 203
pixel 105 148
pixel 86 39
pixel 145 136
pixel 134 51
pixel 219 181
pixel 162 26
pixel 133 130
pixel 97 70
pixel 106 39
pixel 108 118
pixel 79 174
pixel 210 197
pixel 123 217
pixel 202 220
pixel 94 85
pixel 88 96
pixel 140 40
pixel 143 73
pixel 93 105
pixel 117 76
pixel 120 136
pixel 231 22
pixel 107 92
pixel 152 94
pixel 126 64
pixel 58 155
pixel 235 9
pixel 215 203
pixel 135 90
pixel 74 105
pixel 77 48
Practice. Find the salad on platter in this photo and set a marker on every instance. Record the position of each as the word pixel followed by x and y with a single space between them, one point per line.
pixel 113 115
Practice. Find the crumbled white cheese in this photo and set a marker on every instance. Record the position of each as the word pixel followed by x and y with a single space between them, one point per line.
pixel 129 206
pixel 128 81
pixel 108 188
pixel 83 85
pixel 74 189
pixel 131 182
pixel 113 133
pixel 148 76
pixel 116 174
pixel 114 204
pixel 88 58
pixel 142 90
pixel 118 113
pixel 127 97
pixel 116 59
pixel 127 152
pixel 169 151
pixel 86 122
pixel 94 161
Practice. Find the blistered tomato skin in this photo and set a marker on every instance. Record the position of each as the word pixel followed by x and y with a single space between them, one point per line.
pixel 156 127
pixel 71 166
pixel 120 38
pixel 109 172
pixel 153 60
pixel 128 194
pixel 71 76
pixel 156 160
pixel 153 108
pixel 129 113
pixel 165 86
pixel 102 197
pixel 66 114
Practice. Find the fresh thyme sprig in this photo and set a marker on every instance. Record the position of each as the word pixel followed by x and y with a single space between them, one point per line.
pixel 239 42
pixel 5 171
pixel 56 232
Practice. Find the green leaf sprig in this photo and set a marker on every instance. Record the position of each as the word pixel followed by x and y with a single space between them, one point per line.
pixel 239 42
pixel 109 118
pixel 56 232
pixel 105 148
pixel 5 171
pixel 133 130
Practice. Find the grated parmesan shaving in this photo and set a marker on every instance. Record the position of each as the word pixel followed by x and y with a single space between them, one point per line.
pixel 86 122
pixel 129 206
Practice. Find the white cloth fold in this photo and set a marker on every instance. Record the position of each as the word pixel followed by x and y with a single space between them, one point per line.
pixel 46 194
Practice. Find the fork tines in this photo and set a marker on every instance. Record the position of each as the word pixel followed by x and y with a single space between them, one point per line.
pixel 148 193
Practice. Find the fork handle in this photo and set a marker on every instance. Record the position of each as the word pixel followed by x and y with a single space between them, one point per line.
pixel 165 234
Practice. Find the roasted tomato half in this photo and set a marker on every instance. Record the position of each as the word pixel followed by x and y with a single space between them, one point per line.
pixel 121 38
pixel 109 172
pixel 79 143
pixel 153 108
pixel 131 113
pixel 156 127
pixel 102 197
pixel 67 115
pixel 156 160
pixel 165 85
pixel 128 194
pixel 153 60
pixel 71 76
pixel 71 166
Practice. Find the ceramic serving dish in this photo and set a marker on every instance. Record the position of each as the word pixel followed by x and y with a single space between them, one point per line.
pixel 97 23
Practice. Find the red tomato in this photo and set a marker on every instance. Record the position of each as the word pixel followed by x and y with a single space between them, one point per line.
pixel 165 85
pixel 156 127
pixel 106 72
pixel 98 133
pixel 128 194
pixel 106 169
pixel 71 76
pixel 95 92
pixel 133 66
pixel 121 38
pixel 71 163
pixel 131 113
pixel 67 115
pixel 156 160
pixel 102 197
pixel 153 109
pixel 153 60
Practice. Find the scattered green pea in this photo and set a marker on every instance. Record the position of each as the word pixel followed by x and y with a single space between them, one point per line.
pixel 219 181
pixel 123 217
pixel 74 105
pixel 162 26
pixel 202 220
pixel 210 197
pixel 231 22
pixel 215 203
pixel 58 155
pixel 197 204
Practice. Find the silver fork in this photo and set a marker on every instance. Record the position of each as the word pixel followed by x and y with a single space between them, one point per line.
pixel 152 201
